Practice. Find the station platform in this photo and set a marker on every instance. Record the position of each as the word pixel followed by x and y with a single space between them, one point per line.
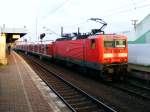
pixel 21 90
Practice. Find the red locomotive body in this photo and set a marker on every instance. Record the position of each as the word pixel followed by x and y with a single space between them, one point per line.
pixel 105 53
pixel 49 50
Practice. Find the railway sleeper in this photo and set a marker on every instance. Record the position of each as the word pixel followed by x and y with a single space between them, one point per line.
pixel 66 90
pixel 90 108
pixel 58 87
pixel 78 100
pixel 66 93
pixel 81 104
pixel 73 97
pixel 55 82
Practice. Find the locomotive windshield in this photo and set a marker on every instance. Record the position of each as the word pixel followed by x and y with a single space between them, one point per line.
pixel 120 43
pixel 115 43
pixel 108 43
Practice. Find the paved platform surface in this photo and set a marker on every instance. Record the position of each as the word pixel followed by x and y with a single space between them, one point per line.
pixel 21 90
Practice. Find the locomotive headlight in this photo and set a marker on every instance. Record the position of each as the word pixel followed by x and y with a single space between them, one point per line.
pixel 122 55
pixel 108 55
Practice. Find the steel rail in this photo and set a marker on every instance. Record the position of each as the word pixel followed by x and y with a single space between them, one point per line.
pixel 92 102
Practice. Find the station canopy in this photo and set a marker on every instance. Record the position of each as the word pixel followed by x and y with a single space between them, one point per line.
pixel 13 34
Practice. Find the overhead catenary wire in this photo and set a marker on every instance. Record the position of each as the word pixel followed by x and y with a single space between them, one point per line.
pixel 61 5
pixel 127 10
pixel 135 5
pixel 124 9
pixel 119 12
pixel 126 5
pixel 48 29
pixel 53 11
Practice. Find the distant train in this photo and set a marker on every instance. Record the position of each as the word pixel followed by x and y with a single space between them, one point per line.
pixel 106 54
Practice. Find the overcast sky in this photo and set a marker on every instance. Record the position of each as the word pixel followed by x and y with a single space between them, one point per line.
pixel 71 14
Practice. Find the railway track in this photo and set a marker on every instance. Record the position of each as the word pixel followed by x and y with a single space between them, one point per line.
pixel 75 98
pixel 138 84
pixel 133 89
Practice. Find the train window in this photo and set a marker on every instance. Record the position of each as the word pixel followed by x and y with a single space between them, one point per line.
pixel 120 43
pixel 46 47
pixel 108 43
pixel 93 43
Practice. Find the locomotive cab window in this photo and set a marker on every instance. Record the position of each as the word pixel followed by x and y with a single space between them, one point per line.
pixel 108 43
pixel 120 43
pixel 93 43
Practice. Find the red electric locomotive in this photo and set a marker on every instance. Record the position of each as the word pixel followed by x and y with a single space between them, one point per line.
pixel 105 53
